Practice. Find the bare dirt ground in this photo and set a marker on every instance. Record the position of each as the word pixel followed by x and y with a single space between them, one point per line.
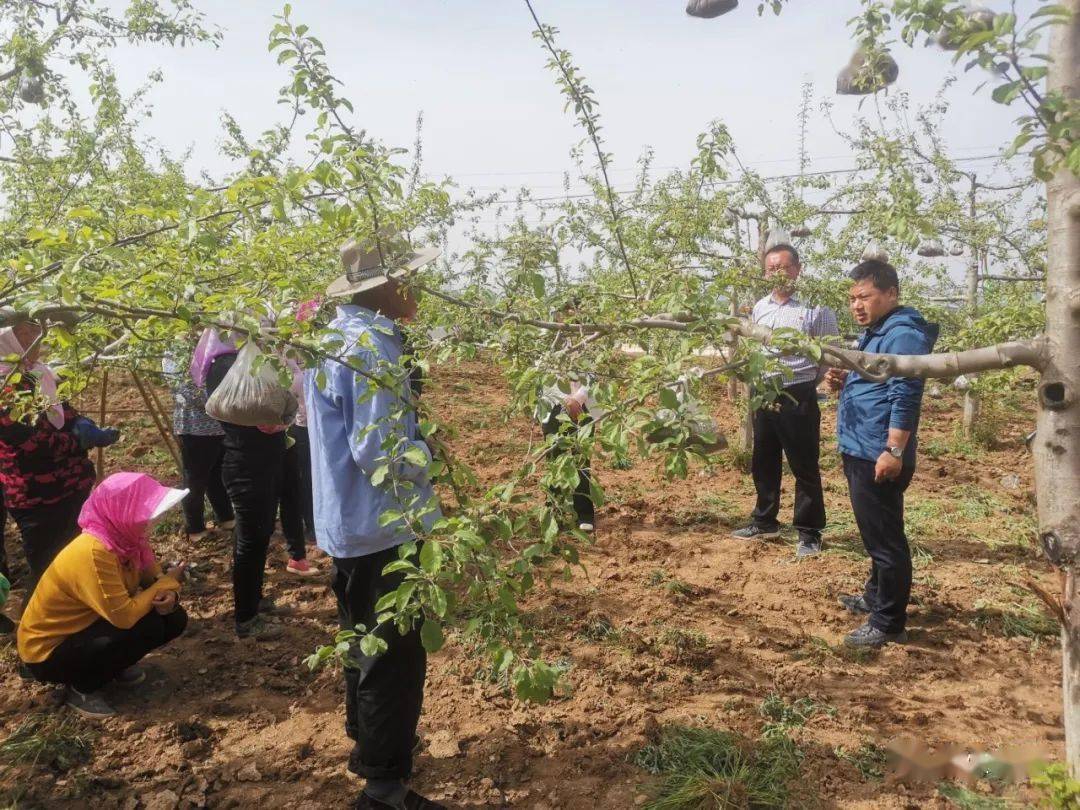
pixel 675 623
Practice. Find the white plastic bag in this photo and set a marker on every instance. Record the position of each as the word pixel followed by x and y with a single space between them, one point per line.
pixel 252 398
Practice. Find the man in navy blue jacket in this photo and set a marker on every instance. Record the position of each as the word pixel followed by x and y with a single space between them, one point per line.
pixel 876 427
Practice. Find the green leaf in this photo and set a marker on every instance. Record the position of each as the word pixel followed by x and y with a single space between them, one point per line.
pixel 431 556
pixel 372 645
pixel 669 399
pixel 431 636
pixel 389 516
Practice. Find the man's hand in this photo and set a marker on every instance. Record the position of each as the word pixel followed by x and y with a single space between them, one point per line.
pixel 887 468
pixel 165 602
pixel 834 378
pixel 176 571
pixel 573 408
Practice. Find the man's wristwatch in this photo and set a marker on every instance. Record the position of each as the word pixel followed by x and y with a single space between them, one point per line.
pixel 895 452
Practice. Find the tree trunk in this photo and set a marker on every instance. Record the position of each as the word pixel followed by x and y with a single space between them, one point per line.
pixel 971 303
pixel 1057 443
pixel 971 412
pixel 733 383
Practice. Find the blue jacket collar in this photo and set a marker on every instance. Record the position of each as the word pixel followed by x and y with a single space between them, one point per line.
pixel 369 317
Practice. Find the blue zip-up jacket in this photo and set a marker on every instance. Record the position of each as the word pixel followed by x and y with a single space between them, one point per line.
pixel 868 409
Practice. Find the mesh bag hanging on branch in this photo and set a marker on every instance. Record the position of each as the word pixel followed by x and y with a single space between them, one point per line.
pixel 708 9
pixel 930 249
pixel 956 249
pixel 252 394
pixel 778 237
pixel 801 232
pixel 973 20
pixel 867 73
pixel 682 412
pixel 874 252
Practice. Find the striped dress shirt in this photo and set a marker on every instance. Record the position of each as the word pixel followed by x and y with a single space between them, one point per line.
pixel 793 314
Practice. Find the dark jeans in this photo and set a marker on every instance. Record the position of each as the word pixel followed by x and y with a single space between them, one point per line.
pixel 879 513
pixel 297 505
pixel 584 508
pixel 201 456
pixel 45 530
pixel 251 470
pixel 383 694
pixel 793 429
pixel 93 657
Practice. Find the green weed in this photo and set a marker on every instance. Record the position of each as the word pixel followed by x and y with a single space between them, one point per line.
pixel 709 508
pixel 675 587
pixel 48 741
pixel 1015 620
pixel 819 651
pixel 967 799
pixel 1059 790
pixel 869 760
pixel 706 768
pixel 782 716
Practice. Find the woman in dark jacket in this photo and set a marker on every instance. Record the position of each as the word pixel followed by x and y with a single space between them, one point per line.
pixel 45 470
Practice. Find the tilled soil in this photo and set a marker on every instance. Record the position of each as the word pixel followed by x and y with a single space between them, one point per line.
pixel 675 622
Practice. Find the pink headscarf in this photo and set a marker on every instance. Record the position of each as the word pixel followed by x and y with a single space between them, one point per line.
pixel 210 347
pixel 118 513
pixel 46 377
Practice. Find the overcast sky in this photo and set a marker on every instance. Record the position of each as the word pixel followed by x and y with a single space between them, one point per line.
pixel 493 116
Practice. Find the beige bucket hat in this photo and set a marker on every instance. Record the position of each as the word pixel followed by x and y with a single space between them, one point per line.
pixel 366 267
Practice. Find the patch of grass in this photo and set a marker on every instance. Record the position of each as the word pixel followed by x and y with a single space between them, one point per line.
pixel 673 586
pixel 967 799
pixel 707 768
pixel 599 629
pixel 819 651
pixel 708 508
pixel 684 639
pixel 691 648
pixel 48 741
pixel 869 759
pixel 1015 620
pixel 781 715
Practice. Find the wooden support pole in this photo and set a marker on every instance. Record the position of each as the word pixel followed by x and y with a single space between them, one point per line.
pixel 159 422
pixel 101 421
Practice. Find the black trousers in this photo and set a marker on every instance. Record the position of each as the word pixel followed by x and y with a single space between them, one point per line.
pixel 879 513
pixel 252 469
pixel 383 694
pixel 45 530
pixel 793 429
pixel 93 657
pixel 584 508
pixel 297 505
pixel 201 457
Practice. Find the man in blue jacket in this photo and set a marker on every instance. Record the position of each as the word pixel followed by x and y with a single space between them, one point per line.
pixel 876 427
pixel 368 462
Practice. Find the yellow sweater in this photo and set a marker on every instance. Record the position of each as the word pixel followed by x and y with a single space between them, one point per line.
pixel 85 582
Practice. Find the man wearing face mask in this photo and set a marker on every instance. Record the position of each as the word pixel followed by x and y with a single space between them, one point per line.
pixel 876 424
pixel 791 426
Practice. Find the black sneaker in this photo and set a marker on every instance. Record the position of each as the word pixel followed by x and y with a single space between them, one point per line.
pixel 755 532
pixel 259 629
pixel 809 546
pixel 90 704
pixel 856 604
pixel 870 636
pixel 412 801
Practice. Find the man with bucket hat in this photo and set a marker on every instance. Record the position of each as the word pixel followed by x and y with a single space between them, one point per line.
pixel 368 460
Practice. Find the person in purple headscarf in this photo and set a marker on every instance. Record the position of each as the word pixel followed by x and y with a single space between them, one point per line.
pixel 104 603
